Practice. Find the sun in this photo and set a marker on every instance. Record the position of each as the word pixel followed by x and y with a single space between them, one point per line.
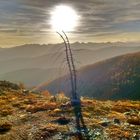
pixel 63 18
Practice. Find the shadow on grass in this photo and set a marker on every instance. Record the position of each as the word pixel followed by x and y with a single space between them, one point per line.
pixel 81 128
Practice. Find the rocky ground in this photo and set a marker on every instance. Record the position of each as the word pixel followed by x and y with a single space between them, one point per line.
pixel 29 116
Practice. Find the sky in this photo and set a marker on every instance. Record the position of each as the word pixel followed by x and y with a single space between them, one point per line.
pixel 28 21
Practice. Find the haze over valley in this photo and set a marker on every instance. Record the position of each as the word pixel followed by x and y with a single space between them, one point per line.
pixel 34 64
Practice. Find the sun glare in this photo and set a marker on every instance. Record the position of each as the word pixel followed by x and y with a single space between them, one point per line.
pixel 63 18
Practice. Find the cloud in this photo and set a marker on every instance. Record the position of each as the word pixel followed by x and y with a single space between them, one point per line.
pixel 98 17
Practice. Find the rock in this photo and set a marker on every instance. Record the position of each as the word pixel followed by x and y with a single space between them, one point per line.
pixel 53 99
pixel 63 121
pixel 116 121
pixel 136 136
pixel 105 124
pixel 5 127
pixel 65 106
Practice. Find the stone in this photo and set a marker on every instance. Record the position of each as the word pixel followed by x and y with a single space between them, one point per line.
pixel 5 127
pixel 63 121
pixel 105 124
pixel 116 121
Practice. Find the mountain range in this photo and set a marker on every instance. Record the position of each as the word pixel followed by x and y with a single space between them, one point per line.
pixel 33 64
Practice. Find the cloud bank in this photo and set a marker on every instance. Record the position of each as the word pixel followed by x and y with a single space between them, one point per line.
pixel 27 21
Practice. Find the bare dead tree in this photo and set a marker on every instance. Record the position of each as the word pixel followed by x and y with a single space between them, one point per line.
pixel 73 66
pixel 69 63
pixel 75 99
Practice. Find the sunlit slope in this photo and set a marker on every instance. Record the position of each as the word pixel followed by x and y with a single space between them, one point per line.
pixel 115 78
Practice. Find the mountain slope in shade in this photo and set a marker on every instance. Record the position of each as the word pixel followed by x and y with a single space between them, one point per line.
pixel 115 78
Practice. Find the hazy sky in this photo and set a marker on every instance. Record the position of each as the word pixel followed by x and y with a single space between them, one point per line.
pixel 27 21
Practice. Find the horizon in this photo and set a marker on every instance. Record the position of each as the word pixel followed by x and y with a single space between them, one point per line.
pixel 80 42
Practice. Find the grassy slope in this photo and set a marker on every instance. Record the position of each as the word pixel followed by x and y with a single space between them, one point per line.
pixel 32 116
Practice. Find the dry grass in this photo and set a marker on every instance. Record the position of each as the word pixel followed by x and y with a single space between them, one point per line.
pixel 32 116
